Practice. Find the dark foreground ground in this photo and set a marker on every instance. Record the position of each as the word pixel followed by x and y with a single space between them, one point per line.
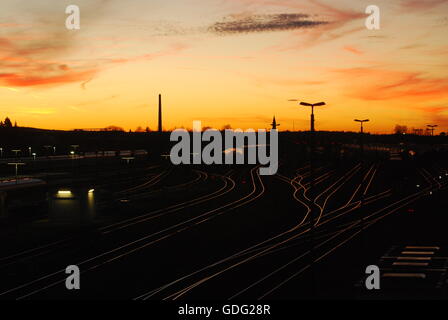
pixel 149 230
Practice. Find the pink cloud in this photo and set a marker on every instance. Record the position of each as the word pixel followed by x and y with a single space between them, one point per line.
pixel 174 49
pixel 381 84
pixel 20 80
pixel 417 5
pixel 353 50
pixel 27 63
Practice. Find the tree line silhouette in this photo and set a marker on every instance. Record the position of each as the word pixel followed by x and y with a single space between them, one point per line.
pixel 7 123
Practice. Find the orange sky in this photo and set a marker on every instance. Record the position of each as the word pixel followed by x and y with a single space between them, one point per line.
pixel 210 64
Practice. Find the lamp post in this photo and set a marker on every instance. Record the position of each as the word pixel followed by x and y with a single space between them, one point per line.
pixel 312 105
pixel 312 153
pixel 362 121
pixel 361 145
pixel 432 128
pixel 16 164
pixel 16 151
pixel 361 141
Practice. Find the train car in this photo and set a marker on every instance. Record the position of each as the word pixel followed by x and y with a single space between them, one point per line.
pixel 24 198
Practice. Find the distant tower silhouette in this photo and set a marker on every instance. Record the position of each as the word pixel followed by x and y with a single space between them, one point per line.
pixel 160 113
pixel 274 124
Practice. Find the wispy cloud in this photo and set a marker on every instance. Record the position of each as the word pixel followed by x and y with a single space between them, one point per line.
pixel 21 80
pixel 42 57
pixel 353 50
pixel 417 5
pixel 171 50
pixel 83 85
pixel 39 57
pixel 30 63
pixel 381 84
pixel 95 102
pixel 263 23
pixel 435 114
pixel 336 14
pixel 337 21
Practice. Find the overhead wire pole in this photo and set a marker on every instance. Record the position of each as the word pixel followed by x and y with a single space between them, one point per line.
pixel 312 156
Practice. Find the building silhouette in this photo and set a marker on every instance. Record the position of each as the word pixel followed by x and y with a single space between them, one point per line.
pixel 160 113
pixel 274 124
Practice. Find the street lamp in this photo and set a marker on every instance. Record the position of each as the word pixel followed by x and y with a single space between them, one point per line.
pixel 362 121
pixel 361 142
pixel 312 147
pixel 16 164
pixel 312 105
pixel 432 127
pixel 361 146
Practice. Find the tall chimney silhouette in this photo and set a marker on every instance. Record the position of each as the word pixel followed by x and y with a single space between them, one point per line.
pixel 160 113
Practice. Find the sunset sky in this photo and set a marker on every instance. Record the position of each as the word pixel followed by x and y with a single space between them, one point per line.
pixel 224 62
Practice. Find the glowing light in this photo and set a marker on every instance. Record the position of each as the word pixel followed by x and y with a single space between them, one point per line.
pixel 64 192
pixel 233 150
pixel 91 190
